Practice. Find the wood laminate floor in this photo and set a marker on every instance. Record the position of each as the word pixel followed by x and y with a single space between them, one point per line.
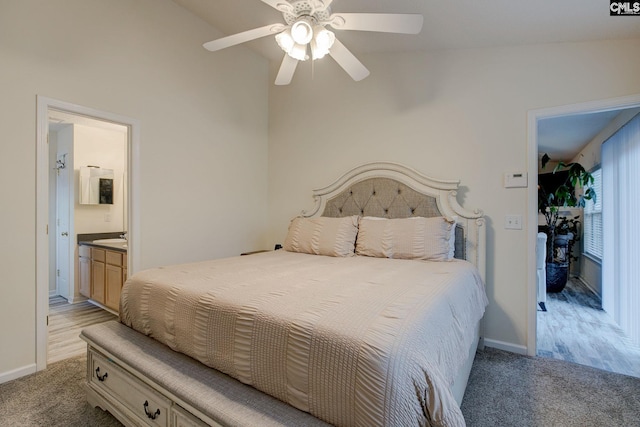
pixel 65 323
pixel 576 329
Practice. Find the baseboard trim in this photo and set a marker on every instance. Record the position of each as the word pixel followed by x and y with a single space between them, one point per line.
pixel 506 346
pixel 17 373
pixel 588 285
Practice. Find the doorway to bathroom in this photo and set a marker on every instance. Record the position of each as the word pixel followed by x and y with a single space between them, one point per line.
pixel 87 198
pixel 74 144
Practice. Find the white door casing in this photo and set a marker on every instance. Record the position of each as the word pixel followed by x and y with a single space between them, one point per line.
pixel 44 229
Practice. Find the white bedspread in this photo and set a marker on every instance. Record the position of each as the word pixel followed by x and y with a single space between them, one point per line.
pixel 355 341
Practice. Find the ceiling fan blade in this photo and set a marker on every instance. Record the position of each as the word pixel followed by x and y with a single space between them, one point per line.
pixel 323 4
pixel 243 37
pixel 348 61
pixel 381 22
pixel 287 68
pixel 280 5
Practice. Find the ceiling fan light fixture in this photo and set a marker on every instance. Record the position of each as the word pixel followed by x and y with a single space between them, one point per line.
pixel 285 41
pixel 322 41
pixel 299 52
pixel 304 35
pixel 302 31
pixel 288 44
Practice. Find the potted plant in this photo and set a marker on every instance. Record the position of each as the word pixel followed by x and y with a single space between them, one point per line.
pixel 561 231
pixel 567 234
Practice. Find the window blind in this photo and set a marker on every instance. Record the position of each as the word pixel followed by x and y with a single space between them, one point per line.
pixel 621 228
pixel 593 219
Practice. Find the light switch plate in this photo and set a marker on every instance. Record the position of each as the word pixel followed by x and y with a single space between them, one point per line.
pixel 513 222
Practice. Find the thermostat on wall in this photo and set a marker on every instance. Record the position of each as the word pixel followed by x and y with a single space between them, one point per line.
pixel 515 180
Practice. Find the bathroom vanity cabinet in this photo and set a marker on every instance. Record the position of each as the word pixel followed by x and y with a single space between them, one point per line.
pixel 102 273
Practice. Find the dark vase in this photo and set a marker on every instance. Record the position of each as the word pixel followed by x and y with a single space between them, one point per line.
pixel 557 275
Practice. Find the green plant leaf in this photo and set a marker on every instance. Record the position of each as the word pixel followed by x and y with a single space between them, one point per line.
pixel 565 195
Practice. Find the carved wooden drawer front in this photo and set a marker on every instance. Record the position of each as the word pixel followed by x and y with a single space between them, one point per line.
pixel 182 418
pixel 150 407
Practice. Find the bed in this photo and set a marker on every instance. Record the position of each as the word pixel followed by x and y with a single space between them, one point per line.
pixel 369 315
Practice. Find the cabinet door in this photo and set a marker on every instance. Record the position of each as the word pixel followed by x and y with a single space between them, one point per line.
pixel 97 281
pixel 84 267
pixel 113 286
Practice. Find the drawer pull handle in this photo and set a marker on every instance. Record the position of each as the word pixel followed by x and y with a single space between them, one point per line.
pixel 101 378
pixel 151 416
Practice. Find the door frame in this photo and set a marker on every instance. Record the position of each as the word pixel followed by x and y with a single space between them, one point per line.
pixel 534 116
pixel 43 105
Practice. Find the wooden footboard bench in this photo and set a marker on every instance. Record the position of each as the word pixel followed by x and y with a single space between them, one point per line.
pixel 142 382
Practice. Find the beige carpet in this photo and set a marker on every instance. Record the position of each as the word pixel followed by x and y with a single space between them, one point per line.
pixel 53 397
pixel 505 389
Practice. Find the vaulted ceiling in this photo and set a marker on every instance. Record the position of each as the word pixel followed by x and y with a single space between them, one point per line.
pixel 447 25
pixel 454 25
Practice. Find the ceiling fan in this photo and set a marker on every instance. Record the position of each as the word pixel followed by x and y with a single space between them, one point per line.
pixel 305 32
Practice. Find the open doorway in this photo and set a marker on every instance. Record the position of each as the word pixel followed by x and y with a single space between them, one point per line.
pixel 574 327
pixel 79 146
pixel 71 138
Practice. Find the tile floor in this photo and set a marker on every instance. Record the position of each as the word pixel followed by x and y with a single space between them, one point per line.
pixel 576 329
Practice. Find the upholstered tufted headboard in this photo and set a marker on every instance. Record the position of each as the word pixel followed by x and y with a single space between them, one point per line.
pixel 391 190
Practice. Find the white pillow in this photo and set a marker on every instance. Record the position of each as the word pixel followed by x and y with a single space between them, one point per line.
pixel 406 238
pixel 322 236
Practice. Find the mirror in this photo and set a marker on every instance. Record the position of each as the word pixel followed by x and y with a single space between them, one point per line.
pixel 96 186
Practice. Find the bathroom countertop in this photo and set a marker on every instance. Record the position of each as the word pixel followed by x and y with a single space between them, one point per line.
pixel 120 247
pixel 89 238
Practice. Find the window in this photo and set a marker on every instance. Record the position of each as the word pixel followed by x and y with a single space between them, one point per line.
pixel 593 219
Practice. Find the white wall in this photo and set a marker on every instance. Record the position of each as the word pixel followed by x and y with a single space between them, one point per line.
pixel 203 145
pixel 450 114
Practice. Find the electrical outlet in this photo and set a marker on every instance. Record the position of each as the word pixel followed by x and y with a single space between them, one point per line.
pixel 513 222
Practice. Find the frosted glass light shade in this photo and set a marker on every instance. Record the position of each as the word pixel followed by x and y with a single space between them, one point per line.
pixel 285 41
pixel 322 41
pixel 295 39
pixel 302 32
pixel 299 52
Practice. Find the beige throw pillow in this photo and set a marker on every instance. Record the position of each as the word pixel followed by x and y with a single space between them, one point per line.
pixel 406 238
pixel 322 236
